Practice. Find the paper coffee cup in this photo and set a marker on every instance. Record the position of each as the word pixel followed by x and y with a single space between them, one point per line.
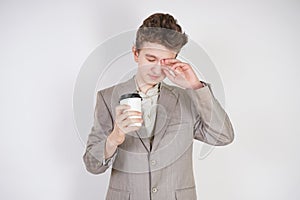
pixel 134 100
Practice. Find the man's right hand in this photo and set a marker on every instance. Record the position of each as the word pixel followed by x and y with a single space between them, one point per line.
pixel 122 124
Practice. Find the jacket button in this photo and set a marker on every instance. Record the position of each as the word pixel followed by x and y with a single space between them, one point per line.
pixel 153 162
pixel 154 190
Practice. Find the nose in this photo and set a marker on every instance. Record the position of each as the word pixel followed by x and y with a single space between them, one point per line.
pixel 156 69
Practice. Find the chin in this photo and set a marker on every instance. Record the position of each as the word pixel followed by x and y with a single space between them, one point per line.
pixel 153 82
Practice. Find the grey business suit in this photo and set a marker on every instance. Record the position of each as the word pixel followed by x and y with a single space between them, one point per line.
pixel 163 168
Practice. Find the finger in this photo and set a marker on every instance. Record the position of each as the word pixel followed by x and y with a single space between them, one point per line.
pixel 129 127
pixel 128 113
pixel 173 71
pixel 169 61
pixel 178 67
pixel 184 66
pixel 130 121
pixel 169 75
pixel 120 109
pixel 132 112
pixel 169 69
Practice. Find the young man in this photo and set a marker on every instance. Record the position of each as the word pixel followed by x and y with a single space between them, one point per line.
pixel 155 161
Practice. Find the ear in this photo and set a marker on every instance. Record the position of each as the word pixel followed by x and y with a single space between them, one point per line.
pixel 135 53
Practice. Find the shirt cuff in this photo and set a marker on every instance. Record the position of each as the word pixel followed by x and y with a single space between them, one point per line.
pixel 107 162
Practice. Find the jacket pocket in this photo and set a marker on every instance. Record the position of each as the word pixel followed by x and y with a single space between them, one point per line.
pixel 113 194
pixel 186 193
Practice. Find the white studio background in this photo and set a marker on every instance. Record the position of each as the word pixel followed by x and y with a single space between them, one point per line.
pixel 254 45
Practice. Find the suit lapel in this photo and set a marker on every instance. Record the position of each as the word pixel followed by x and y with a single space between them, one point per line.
pixel 166 104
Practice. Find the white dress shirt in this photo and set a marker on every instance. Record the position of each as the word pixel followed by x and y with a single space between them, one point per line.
pixel 149 107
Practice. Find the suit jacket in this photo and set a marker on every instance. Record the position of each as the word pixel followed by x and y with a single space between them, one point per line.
pixel 160 169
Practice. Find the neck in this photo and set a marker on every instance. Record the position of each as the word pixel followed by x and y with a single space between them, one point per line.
pixel 143 87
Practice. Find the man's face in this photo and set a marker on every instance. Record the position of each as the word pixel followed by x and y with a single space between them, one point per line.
pixel 149 62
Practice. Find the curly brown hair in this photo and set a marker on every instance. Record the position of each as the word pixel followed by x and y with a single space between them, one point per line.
pixel 162 29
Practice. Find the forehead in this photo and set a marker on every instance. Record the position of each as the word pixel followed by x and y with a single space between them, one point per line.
pixel 157 50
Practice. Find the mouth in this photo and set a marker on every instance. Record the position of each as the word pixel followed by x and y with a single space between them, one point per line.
pixel 153 77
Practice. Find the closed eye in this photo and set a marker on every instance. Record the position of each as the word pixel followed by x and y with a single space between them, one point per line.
pixel 150 57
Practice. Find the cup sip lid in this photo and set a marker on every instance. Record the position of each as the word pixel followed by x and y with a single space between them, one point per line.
pixel 130 95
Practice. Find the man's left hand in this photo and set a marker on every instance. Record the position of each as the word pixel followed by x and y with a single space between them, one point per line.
pixel 180 73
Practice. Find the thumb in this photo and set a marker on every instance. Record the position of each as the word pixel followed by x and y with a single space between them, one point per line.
pixel 168 74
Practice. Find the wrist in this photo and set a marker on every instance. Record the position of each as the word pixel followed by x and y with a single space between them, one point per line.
pixel 197 85
pixel 110 141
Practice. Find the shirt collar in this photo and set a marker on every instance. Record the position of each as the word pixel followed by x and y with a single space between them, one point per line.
pixel 155 89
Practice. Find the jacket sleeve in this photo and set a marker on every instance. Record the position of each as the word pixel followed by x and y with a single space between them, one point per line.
pixel 212 124
pixel 95 148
